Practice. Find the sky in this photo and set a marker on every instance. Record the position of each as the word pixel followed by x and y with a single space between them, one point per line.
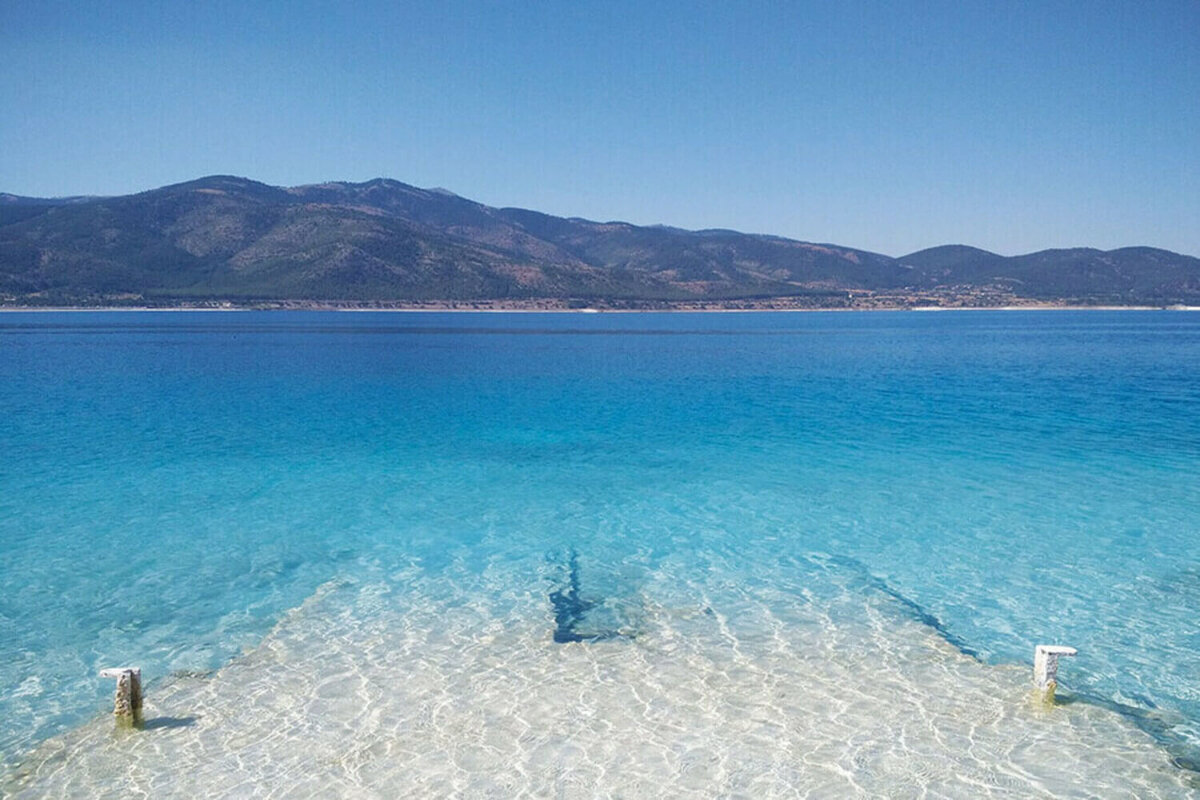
pixel 888 126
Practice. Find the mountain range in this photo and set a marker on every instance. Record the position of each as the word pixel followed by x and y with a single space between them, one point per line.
pixel 229 240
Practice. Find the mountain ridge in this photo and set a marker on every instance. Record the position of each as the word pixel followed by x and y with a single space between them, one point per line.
pixel 229 239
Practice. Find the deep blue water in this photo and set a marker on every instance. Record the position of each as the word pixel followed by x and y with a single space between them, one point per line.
pixel 171 483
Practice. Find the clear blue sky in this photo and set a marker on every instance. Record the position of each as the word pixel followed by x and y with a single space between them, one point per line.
pixel 889 126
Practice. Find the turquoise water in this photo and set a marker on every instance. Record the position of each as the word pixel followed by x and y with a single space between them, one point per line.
pixel 176 487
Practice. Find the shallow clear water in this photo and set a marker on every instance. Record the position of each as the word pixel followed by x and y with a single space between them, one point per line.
pixel 816 549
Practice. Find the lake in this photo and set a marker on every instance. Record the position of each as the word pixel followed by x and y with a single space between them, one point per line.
pixel 485 554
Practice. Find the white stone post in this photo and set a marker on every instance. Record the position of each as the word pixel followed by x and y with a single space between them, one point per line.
pixel 127 703
pixel 1045 668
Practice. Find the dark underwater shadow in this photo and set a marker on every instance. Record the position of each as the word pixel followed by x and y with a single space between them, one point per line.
pixel 168 722
pixel 571 619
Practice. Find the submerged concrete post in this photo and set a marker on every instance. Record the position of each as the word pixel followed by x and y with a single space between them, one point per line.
pixel 127 703
pixel 1045 668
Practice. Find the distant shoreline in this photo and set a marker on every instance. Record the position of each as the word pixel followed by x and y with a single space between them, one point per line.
pixel 524 309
